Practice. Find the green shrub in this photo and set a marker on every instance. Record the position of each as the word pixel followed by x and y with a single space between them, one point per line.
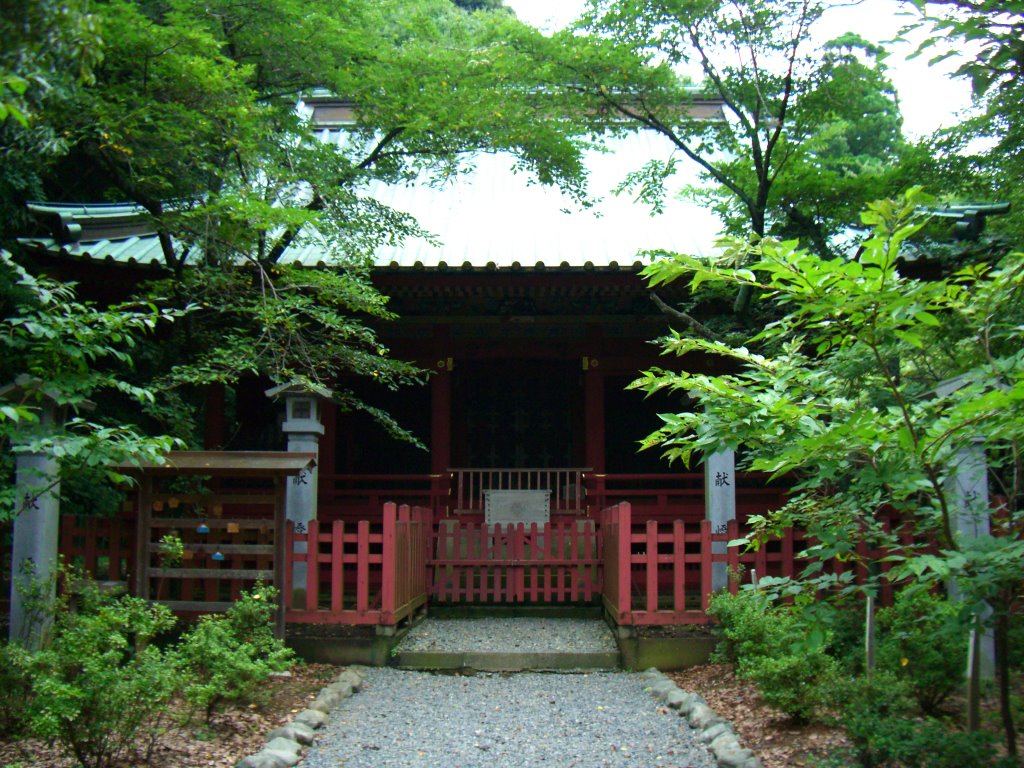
pixel 878 714
pixel 16 688
pixel 100 689
pixel 748 625
pixel 770 646
pixel 228 657
pixel 923 641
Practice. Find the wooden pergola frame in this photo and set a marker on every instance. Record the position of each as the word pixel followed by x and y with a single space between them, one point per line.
pixel 239 465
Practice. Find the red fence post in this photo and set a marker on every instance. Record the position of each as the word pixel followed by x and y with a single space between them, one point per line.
pixel 624 565
pixel 651 566
pixel 388 565
pixel 705 564
pixel 289 556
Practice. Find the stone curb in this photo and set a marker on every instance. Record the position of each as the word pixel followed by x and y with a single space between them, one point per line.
pixel 712 730
pixel 285 743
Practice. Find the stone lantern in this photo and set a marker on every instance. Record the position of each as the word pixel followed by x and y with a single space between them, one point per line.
pixel 303 426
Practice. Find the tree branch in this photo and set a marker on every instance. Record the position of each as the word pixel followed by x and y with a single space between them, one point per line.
pixel 701 329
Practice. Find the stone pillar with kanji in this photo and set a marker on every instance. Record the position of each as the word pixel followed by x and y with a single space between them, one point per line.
pixel 36 522
pixel 968 489
pixel 720 505
pixel 303 427
pixel 967 486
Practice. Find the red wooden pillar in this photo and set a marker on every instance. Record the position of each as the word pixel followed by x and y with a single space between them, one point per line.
pixel 215 432
pixel 326 450
pixel 593 393
pixel 441 419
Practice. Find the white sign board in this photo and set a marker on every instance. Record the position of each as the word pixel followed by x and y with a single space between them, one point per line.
pixel 504 507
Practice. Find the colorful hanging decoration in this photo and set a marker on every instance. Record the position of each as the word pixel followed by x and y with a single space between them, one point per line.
pixel 202 528
pixel 233 528
pixel 218 556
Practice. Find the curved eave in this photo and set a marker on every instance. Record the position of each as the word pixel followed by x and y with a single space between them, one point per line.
pixel 143 252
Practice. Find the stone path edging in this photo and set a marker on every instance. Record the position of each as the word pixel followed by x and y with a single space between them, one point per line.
pixel 714 731
pixel 285 744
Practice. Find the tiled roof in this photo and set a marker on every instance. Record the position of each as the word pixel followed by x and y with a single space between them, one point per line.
pixel 490 218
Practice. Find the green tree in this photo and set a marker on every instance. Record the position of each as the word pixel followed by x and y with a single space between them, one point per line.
pixel 192 116
pixel 807 132
pixel 70 352
pixel 50 49
pixel 980 156
pixel 865 392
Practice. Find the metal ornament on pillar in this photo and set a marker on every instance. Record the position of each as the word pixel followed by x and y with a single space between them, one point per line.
pixel 720 505
pixel 303 427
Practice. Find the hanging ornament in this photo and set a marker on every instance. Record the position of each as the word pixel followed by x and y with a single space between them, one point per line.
pixel 218 556
pixel 233 528
pixel 202 528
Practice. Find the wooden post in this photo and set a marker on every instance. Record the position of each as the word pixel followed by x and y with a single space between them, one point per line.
pixel 593 395
pixel 869 635
pixel 142 533
pixel 441 419
pixel 706 565
pixel 974 653
pixel 624 513
pixel 388 566
pixel 279 553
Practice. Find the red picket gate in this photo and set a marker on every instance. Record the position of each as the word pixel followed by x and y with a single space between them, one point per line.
pixel 358 573
pixel 557 562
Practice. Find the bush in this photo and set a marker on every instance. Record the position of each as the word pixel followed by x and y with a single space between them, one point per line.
pixel 228 657
pixel 878 716
pixel 101 687
pixel 747 625
pixel 799 684
pixel 16 685
pixel 770 646
pixel 923 641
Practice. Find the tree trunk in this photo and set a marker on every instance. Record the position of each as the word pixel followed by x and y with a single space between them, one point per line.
pixel 1003 662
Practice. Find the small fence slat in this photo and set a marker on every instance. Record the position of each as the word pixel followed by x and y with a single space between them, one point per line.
pixel 337 566
pixel 363 566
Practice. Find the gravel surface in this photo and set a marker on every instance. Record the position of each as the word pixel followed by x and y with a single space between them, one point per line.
pixel 518 635
pixel 505 721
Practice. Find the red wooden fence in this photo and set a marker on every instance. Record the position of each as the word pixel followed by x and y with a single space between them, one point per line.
pixel 358 573
pixel 364 572
pixel 556 562
pixel 661 573
pixel 101 546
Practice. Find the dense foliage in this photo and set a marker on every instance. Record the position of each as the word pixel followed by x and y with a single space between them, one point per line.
pixel 101 686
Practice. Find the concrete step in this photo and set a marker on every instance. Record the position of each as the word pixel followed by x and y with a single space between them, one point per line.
pixel 497 643
pixel 506 661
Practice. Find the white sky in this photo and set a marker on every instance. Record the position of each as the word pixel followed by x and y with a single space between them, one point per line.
pixel 928 97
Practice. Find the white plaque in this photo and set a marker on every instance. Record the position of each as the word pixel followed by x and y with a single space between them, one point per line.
pixel 504 507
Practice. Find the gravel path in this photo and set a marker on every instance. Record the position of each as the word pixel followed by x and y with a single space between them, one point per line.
pixel 518 635
pixel 416 719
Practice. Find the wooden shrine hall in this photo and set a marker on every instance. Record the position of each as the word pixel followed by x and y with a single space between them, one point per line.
pixel 532 320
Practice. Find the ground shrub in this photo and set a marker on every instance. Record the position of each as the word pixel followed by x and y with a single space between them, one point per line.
pixel 15 689
pixel 228 657
pixel 923 642
pixel 101 687
pixel 770 646
pixel 880 718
